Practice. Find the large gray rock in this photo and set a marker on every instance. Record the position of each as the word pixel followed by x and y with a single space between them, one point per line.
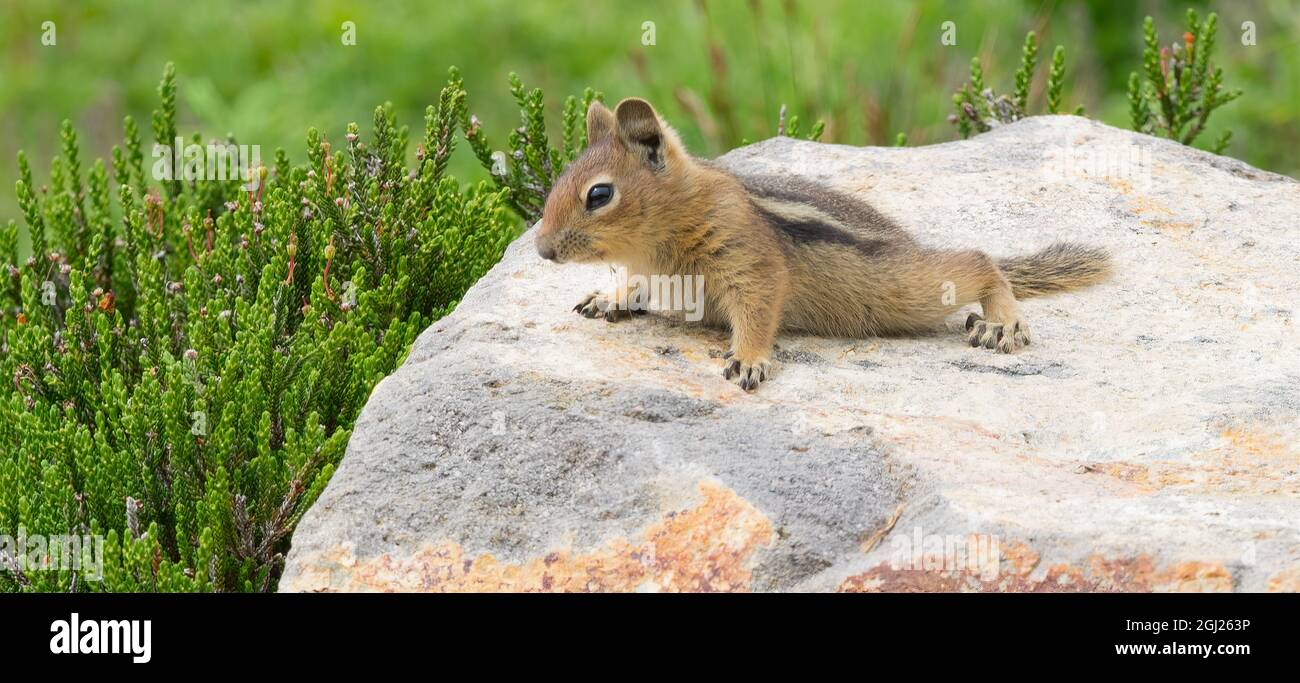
pixel 1145 441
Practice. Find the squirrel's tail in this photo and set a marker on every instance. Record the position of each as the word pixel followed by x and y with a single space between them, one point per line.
pixel 1058 268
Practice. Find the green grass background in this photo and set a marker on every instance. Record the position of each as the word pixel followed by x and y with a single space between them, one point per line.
pixel 719 71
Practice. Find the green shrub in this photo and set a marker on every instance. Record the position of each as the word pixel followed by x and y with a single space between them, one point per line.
pixel 979 108
pixel 1179 87
pixel 184 361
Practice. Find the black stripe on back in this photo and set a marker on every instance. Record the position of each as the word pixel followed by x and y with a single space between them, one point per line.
pixel 811 230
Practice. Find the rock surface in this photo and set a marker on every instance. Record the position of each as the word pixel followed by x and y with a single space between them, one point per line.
pixel 1147 440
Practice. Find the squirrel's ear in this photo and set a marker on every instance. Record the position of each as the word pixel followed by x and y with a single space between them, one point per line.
pixel 600 122
pixel 640 130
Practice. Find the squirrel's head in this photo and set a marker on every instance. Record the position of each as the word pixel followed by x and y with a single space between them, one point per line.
pixel 610 203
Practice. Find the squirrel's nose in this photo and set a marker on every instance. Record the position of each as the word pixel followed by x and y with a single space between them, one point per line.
pixel 544 248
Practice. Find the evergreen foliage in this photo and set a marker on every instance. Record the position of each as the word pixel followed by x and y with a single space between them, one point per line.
pixel 979 108
pixel 184 360
pixel 1179 87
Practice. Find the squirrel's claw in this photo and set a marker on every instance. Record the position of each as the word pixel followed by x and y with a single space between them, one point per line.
pixel 591 305
pixel 597 305
pixel 747 375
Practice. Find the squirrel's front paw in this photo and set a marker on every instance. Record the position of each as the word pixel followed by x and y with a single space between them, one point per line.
pixel 598 305
pixel 1004 337
pixel 748 374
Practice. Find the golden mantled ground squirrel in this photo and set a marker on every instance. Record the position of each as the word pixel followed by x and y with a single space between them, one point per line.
pixel 777 252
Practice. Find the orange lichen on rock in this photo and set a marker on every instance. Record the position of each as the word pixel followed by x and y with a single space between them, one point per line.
pixel 1261 445
pixel 1285 581
pixel 1253 459
pixel 705 548
pixel 1155 215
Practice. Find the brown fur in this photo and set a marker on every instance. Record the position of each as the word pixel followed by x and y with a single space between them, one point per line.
pixel 779 252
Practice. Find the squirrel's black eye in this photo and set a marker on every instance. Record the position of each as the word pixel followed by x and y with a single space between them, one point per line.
pixel 599 195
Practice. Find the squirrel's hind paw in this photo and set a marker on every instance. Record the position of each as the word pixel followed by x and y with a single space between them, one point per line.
pixel 1002 337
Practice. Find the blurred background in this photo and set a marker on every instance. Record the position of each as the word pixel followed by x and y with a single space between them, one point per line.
pixel 719 70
